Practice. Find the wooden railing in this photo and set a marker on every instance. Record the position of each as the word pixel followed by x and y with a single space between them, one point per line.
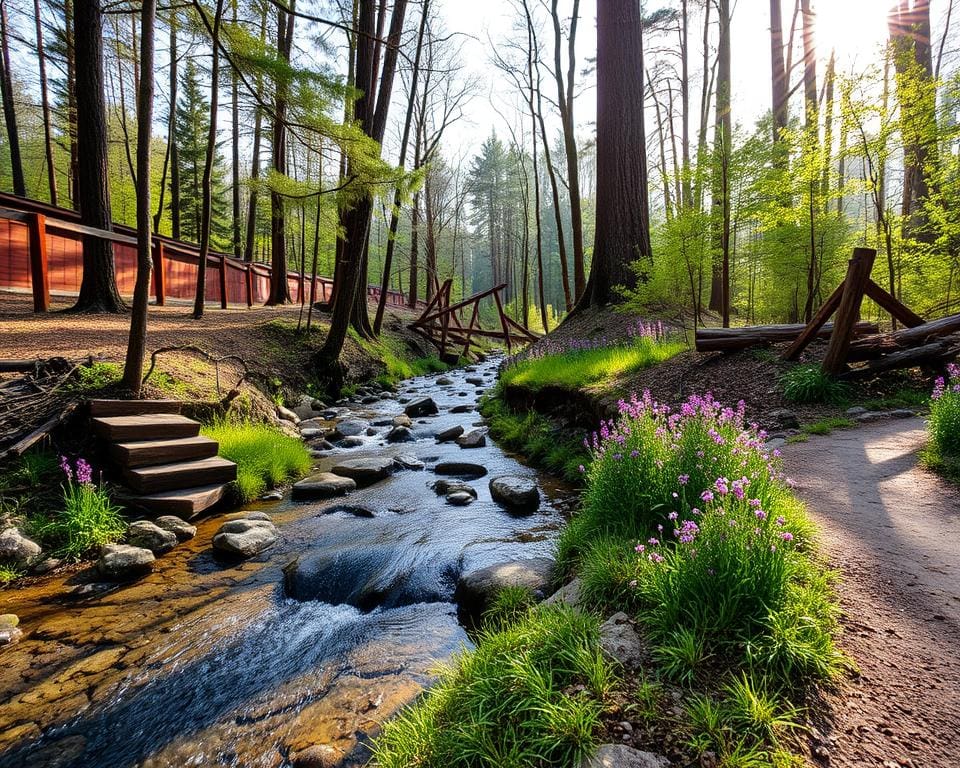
pixel 33 228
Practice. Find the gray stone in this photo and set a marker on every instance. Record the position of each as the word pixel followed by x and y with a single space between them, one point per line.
pixel 774 443
pixel 621 642
pixel 446 487
pixel 246 515
pixel 902 413
pixel 46 565
pixel 245 537
pixel 459 498
pixel 622 756
pixel 329 413
pixel 311 433
pixel 869 416
pixel 460 469
pixel 372 432
pixel 177 526
pixel 272 496
pixel 462 409
pixel 400 435
pixel 401 421
pixel 318 405
pixel 304 411
pixel 475 438
pixel 519 494
pixel 568 594
pixel 285 414
pixel 856 410
pixel 406 461
pixel 784 418
pixel 477 588
pixel 351 442
pixel 357 510
pixel 10 631
pixel 366 471
pixel 444 381
pixel 351 428
pixel 17 549
pixel 121 562
pixel 424 406
pixel 323 485
pixel 452 433
pixel 143 533
pixel 475 380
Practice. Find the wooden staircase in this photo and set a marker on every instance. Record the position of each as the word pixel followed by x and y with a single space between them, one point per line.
pixel 170 468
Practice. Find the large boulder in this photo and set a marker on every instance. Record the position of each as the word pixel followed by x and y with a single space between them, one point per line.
pixel 475 438
pixel 476 589
pixel 143 533
pixel 123 562
pixel 423 406
pixel 17 549
pixel 621 642
pixel 622 756
pixel 323 485
pixel 518 494
pixel 350 428
pixel 460 469
pixel 245 537
pixel 400 435
pixel 366 471
pixel 451 433
pixel 177 526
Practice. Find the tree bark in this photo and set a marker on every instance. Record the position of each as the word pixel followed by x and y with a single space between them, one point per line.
pixel 235 151
pixel 779 80
pixel 250 241
pixel 136 344
pixel 45 107
pixel 9 110
pixel 720 284
pixel 98 288
pixel 174 155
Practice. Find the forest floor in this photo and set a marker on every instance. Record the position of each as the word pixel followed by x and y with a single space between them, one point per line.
pixel 890 529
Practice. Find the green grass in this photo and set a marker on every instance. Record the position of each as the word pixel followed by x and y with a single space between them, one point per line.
pixel 7 574
pixel 87 521
pixel 537 438
pixel 905 397
pixel 398 365
pixel 804 384
pixel 943 452
pixel 826 426
pixel 581 368
pixel 265 457
pixel 91 378
pixel 530 694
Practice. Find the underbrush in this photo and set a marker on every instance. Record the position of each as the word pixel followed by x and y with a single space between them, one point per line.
pixel 943 452
pixel 265 457
pixel 579 365
pixel 531 693
pixel 537 438
pixel 804 384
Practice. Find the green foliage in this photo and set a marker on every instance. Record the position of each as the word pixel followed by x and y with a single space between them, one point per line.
pixel 508 606
pixel 265 457
pixel 33 469
pixel 510 702
pixel 580 368
pixel 91 378
pixel 826 426
pixel 8 574
pixel 804 384
pixel 943 452
pixel 88 520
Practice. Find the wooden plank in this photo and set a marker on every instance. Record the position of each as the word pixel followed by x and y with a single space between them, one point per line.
pixel 744 338
pixel 503 320
pixel 159 273
pixel 183 474
pixel 39 272
pixel 146 453
pixel 82 229
pixel 185 503
pixel 11 215
pixel 465 302
pixel 158 426
pixel 813 327
pixel 24 444
pixel 133 407
pixel 875 346
pixel 854 287
pixel 893 305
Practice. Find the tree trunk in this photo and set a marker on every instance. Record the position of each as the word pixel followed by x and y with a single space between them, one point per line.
pixel 720 284
pixel 98 289
pixel 235 151
pixel 685 101
pixel 779 80
pixel 255 159
pixel 174 154
pixel 136 344
pixel 45 107
pixel 623 219
pixel 9 110
pixel 206 191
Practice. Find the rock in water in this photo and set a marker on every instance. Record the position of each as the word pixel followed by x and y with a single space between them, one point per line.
pixel 350 428
pixel 424 406
pixel 122 562
pixel 462 409
pixel 621 642
pixel 446 487
pixel 449 434
pixel 10 632
pixel 366 471
pixel 475 438
pixel 17 549
pixel 475 380
pixel 460 498
pixel 402 421
pixel 245 537
pixel 400 435
pixel 143 533
pixel 323 485
pixel 179 528
pixel 406 461
pixel 443 381
pixel 286 414
pixel 476 589
pixel 622 756
pixel 460 469
pixel 518 494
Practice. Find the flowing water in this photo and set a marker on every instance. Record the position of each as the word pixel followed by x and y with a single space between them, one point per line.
pixel 207 663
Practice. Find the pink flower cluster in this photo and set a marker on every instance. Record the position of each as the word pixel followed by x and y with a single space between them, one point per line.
pixel 80 471
pixel 942 387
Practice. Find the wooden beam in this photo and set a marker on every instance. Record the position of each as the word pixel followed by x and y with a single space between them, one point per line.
pixel 893 305
pixel 813 327
pixel 159 273
pixel 39 267
pixel 854 287
pixel 503 320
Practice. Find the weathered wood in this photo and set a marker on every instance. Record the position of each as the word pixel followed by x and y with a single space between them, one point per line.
pixel 936 352
pixel 146 453
pixel 854 287
pixel 732 339
pixel 185 503
pixel 20 366
pixel 158 426
pixel 893 305
pixel 179 475
pixel 876 346
pixel 35 436
pixel 133 407
pixel 816 323
pixel 39 272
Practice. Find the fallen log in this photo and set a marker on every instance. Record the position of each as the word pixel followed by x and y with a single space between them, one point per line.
pixel 934 353
pixel 872 347
pixel 732 339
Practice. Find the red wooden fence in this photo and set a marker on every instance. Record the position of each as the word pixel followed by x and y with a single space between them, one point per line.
pixel 53 236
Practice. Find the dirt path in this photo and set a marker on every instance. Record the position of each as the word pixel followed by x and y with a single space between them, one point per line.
pixel 892 530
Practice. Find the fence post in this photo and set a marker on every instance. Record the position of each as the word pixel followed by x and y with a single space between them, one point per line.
pixel 222 269
pixel 39 272
pixel 854 287
pixel 159 273
pixel 249 281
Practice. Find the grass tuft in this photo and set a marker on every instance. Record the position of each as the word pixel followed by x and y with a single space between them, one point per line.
pixel 804 384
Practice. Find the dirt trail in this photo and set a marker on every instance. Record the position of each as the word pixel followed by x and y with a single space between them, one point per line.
pixel 892 530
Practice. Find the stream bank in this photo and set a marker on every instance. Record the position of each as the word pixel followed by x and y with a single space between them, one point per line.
pixel 209 662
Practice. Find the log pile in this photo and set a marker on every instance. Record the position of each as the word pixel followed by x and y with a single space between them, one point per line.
pixel 734 339
pixel 33 403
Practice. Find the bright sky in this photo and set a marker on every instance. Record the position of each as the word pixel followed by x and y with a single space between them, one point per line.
pixel 855 28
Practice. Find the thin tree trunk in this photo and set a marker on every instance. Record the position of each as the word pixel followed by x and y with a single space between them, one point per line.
pixel 136 344
pixel 68 16
pixel 9 110
pixel 235 151
pixel 250 242
pixel 174 154
pixel 685 101
pixel 720 287
pixel 45 107
pixel 779 80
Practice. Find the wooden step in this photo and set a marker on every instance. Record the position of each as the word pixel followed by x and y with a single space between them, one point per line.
pixel 132 407
pixel 182 474
pixel 160 426
pixel 147 453
pixel 185 503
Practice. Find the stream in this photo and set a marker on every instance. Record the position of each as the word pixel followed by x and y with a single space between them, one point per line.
pixel 209 663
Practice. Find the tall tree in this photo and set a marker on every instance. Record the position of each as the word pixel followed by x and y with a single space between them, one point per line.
pixel 175 202
pixel 136 343
pixel 45 107
pixel 235 148
pixel 98 288
pixel 723 137
pixel 779 80
pixel 623 217
pixel 9 109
